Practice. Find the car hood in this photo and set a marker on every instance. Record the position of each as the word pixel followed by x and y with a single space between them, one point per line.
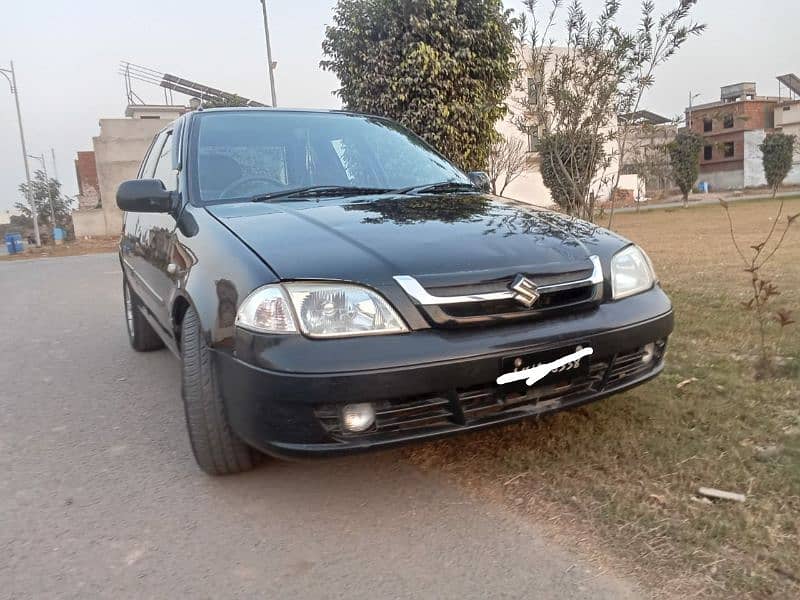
pixel 446 239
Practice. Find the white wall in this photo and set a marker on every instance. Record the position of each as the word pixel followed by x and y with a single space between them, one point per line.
pixel 753 159
pixel 529 186
pixel 787 114
pixel 753 175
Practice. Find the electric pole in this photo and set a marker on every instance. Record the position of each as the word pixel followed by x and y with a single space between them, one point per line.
pixel 47 185
pixel 55 167
pixel 12 81
pixel 270 64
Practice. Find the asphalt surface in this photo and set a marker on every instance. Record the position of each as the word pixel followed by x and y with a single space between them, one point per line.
pixel 100 496
pixel 705 200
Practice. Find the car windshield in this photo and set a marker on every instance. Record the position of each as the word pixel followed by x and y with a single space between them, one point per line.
pixel 245 154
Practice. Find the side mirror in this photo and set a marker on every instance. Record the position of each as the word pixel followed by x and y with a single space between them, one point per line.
pixel 480 180
pixel 144 195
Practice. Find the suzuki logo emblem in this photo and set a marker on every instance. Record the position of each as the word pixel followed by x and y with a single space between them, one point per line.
pixel 526 291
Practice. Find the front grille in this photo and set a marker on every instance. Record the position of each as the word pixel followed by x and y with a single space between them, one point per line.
pixel 512 308
pixel 455 305
pixel 459 407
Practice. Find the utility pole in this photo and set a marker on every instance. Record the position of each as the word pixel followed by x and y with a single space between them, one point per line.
pixel 55 167
pixel 12 81
pixel 47 185
pixel 270 64
pixel 691 98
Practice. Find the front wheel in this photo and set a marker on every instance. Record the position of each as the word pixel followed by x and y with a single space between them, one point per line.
pixel 216 447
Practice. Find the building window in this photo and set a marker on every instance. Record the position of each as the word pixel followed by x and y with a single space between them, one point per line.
pixel 728 122
pixel 533 139
pixel 727 149
pixel 708 125
pixel 707 153
pixel 532 96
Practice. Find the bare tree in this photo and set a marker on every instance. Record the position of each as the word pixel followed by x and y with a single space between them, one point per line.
pixel 508 160
pixel 776 150
pixel 647 154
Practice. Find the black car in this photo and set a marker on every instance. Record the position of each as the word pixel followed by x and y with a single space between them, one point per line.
pixel 332 284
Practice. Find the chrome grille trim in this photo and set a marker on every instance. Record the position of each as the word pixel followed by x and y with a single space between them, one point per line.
pixel 420 295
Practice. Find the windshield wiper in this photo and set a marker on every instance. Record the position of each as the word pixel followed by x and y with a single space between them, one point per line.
pixel 440 187
pixel 317 191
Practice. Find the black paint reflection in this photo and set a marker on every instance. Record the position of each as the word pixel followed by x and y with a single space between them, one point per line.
pixel 499 218
pixel 411 210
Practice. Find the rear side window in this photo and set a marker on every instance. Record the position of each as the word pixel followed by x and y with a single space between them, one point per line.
pixel 164 170
pixel 152 157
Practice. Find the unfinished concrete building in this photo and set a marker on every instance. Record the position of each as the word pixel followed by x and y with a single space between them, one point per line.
pixel 118 152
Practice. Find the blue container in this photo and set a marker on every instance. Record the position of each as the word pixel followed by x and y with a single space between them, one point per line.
pixel 14 243
pixel 58 234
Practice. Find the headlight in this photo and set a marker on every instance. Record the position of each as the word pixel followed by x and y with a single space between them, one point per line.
pixel 266 310
pixel 336 310
pixel 631 272
pixel 320 310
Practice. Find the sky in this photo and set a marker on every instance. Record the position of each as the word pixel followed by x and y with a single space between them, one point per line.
pixel 66 55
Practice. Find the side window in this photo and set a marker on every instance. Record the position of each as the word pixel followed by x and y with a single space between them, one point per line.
pixel 164 170
pixel 152 157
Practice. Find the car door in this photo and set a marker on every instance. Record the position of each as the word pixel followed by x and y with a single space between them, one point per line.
pixel 152 236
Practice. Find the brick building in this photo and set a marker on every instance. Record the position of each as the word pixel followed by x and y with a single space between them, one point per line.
pixel 732 129
pixel 88 186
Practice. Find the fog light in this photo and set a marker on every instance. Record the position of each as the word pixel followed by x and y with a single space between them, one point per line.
pixel 357 417
pixel 648 353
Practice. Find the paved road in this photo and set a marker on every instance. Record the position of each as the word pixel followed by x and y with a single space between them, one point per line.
pixel 100 498
pixel 705 200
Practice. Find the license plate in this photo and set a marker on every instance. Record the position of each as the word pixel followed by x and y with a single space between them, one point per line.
pixel 568 372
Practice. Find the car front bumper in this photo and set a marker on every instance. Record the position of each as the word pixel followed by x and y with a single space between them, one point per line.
pixel 283 393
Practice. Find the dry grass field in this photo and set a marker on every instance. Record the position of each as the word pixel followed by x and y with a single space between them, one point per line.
pixel 618 479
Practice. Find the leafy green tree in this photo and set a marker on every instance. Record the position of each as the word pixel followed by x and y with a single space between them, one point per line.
pixel 568 163
pixel 442 68
pixel 684 156
pixel 43 192
pixel 777 153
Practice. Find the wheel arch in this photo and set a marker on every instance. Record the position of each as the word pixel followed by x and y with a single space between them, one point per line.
pixel 180 305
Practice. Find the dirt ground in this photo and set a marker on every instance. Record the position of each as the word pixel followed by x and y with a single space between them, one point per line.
pixel 618 479
pixel 73 248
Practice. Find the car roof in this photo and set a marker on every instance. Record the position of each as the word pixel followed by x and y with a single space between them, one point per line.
pixel 280 109
pixel 228 109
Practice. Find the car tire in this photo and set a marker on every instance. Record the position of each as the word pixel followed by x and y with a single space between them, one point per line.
pixel 141 335
pixel 216 448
